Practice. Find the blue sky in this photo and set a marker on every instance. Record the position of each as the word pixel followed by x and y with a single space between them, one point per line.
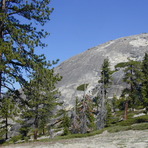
pixel 77 25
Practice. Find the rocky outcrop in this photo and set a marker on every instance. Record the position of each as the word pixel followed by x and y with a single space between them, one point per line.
pixel 85 67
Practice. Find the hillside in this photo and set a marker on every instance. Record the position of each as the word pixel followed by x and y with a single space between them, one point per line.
pixel 85 67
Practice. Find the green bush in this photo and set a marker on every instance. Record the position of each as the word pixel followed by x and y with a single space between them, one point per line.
pixel 141 126
pixel 120 103
pixel 131 121
pixel 112 121
pixel 26 139
pixel 82 87
pixel 16 138
pixel 142 119
pixel 66 131
pixel 118 129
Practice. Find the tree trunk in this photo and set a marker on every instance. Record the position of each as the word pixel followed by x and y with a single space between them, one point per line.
pixel 101 117
pixel 35 134
pixel 132 87
pixel 6 126
pixel 43 131
pixel 36 124
pixel 126 110
pixel 83 115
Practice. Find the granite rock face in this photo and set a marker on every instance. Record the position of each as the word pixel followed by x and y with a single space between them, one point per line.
pixel 85 67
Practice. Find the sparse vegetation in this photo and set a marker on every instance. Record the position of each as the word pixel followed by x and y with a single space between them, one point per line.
pixel 82 87
pixel 38 102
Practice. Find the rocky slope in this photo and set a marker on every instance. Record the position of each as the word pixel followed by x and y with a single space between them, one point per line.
pixel 85 67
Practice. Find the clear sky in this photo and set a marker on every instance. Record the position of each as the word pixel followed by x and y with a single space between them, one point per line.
pixel 77 25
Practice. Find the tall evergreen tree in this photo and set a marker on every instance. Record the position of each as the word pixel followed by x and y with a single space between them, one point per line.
pixel 40 97
pixel 75 118
pixel 106 77
pixel 19 36
pixel 133 79
pixel 105 81
pixel 66 122
pixel 83 114
pixel 145 81
pixel 83 120
pixel 8 110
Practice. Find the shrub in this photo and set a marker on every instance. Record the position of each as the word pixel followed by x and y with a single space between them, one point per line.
pixel 141 126
pixel 118 129
pixel 131 121
pixel 16 138
pixel 121 103
pixel 26 139
pixel 82 87
pixel 141 119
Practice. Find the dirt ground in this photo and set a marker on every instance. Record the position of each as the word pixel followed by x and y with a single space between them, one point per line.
pixel 126 139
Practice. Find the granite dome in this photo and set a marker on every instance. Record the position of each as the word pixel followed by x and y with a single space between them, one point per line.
pixel 85 67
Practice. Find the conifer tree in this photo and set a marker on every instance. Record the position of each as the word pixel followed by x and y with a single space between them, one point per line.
pixel 105 81
pixel 86 112
pixel 105 77
pixel 66 122
pixel 145 81
pixel 8 110
pixel 75 118
pixel 19 36
pixel 84 115
pixel 133 79
pixel 114 103
pixel 40 97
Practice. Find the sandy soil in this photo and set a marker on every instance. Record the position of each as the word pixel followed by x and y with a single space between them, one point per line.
pixel 126 139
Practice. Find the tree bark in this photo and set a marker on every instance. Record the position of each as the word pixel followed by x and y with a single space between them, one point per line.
pixel 126 110
pixel 36 124
pixel 6 122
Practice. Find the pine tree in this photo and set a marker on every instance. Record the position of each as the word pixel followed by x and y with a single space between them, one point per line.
pixel 19 36
pixel 133 79
pixel 75 118
pixel 105 77
pixel 66 122
pixel 83 116
pixel 145 81
pixel 40 97
pixel 105 81
pixel 8 110
pixel 114 103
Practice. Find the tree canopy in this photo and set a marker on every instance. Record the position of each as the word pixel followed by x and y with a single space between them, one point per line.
pixel 105 81
pixel 19 36
pixel 40 98
pixel 145 81
pixel 133 78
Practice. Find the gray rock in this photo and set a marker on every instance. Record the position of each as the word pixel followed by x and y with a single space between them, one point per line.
pixel 85 67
